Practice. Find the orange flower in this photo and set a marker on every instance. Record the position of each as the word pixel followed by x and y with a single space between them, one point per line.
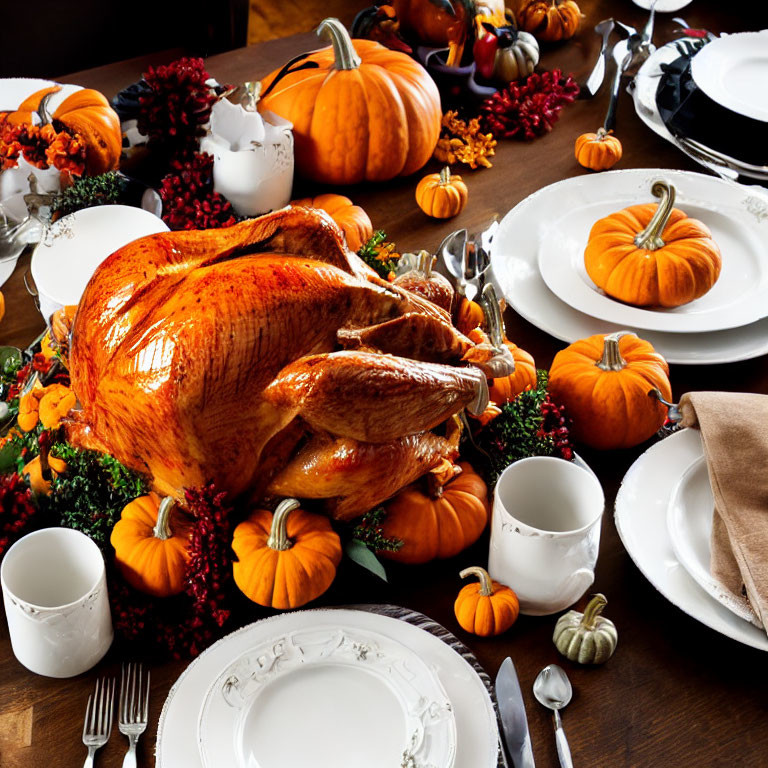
pixel 48 405
pixel 33 474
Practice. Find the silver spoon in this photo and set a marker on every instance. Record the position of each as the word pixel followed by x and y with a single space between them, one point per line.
pixel 553 689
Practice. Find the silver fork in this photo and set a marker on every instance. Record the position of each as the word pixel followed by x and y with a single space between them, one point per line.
pixel 98 718
pixel 134 708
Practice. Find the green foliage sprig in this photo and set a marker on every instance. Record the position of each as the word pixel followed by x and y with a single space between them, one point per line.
pixel 380 257
pixel 92 493
pixel 90 191
pixel 369 531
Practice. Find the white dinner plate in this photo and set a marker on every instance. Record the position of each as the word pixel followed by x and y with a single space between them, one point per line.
pixel 476 730
pixel 733 71
pixel 738 297
pixel 643 89
pixel 689 521
pixel 515 266
pixel 328 697
pixel 641 520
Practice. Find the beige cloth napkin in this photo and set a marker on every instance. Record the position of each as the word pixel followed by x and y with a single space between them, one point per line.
pixel 734 431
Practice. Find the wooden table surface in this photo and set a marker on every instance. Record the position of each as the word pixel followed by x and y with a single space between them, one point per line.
pixel 676 693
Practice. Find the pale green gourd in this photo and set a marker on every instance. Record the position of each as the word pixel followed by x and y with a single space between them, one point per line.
pixel 586 638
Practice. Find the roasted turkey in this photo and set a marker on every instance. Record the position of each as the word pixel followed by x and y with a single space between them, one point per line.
pixel 269 359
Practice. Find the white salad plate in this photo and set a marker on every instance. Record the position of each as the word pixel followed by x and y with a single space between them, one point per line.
pixel 689 521
pixel 738 297
pixel 474 715
pixel 322 697
pixel 74 246
pixel 515 261
pixel 732 70
pixel 641 520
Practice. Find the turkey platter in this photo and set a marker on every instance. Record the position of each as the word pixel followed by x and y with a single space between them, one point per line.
pixel 269 359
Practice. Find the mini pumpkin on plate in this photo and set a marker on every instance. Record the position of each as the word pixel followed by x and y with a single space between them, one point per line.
pixel 652 255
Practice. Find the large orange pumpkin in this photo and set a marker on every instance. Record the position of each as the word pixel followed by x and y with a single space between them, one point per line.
pixel 549 20
pixel 286 559
pixel 150 555
pixel 364 113
pixel 439 522
pixel 352 219
pixel 652 255
pixel 604 383
pixel 523 377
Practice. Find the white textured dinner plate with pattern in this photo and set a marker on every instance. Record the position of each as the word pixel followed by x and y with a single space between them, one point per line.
pixel 516 269
pixel 641 520
pixel 330 697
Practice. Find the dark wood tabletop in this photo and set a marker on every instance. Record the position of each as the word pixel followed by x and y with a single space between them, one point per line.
pixel 676 693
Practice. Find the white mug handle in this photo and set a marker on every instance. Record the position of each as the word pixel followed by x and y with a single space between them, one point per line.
pixel 579 583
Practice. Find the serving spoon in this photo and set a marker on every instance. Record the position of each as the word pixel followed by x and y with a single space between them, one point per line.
pixel 553 689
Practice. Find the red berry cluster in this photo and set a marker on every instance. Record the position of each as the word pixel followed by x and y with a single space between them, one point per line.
pixel 554 425
pixel 16 509
pixel 176 106
pixel 528 108
pixel 189 200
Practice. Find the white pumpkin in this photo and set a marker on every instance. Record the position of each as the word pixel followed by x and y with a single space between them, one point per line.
pixel 586 638
pixel 516 56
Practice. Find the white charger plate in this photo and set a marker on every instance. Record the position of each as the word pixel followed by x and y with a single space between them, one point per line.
pixel 733 71
pixel 641 520
pixel 515 266
pixel 738 297
pixel 477 734
pixel 689 522
pixel 331 698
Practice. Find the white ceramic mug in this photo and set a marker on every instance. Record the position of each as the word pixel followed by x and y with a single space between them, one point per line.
pixel 545 532
pixel 55 594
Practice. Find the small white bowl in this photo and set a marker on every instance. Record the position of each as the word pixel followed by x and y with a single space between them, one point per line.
pixel 74 246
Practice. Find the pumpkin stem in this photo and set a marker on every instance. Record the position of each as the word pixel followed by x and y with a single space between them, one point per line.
pixel 486 586
pixel 278 535
pixel 602 133
pixel 162 529
pixel 42 108
pixel 612 359
pixel 445 175
pixel 593 610
pixel 426 260
pixel 650 237
pixel 344 53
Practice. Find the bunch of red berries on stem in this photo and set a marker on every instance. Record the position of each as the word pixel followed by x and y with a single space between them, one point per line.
pixel 554 425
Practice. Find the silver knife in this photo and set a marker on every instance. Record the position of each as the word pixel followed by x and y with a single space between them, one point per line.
pixel 513 718
pixel 595 79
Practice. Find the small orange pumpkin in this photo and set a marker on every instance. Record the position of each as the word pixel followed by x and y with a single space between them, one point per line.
pixel 150 555
pixel 549 20
pixel 286 559
pixel 604 383
pixel 485 607
pixel 365 113
pixel 469 316
pixel 431 285
pixel 438 522
pixel 598 151
pixel 352 219
pixel 441 195
pixel 524 376
pixel 652 255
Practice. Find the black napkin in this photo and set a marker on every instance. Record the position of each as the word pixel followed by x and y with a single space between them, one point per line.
pixel 687 111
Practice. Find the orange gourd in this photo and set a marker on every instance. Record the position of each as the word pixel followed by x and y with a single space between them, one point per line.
pixel 652 255
pixel 524 376
pixel 286 559
pixel 364 113
pixel 549 20
pixel 604 383
pixel 151 555
pixel 48 405
pixel 352 219
pixel 28 108
pixel 437 522
pixel 469 316
pixel 485 607
pixel 441 195
pixel 434 24
pixel 598 151
pixel 39 477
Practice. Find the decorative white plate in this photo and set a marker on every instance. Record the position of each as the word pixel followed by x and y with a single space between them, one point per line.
pixel 515 266
pixel 733 71
pixel 740 295
pixel 641 520
pixel 689 521
pixel 663 6
pixel 331 698
pixel 477 733
pixel 72 247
